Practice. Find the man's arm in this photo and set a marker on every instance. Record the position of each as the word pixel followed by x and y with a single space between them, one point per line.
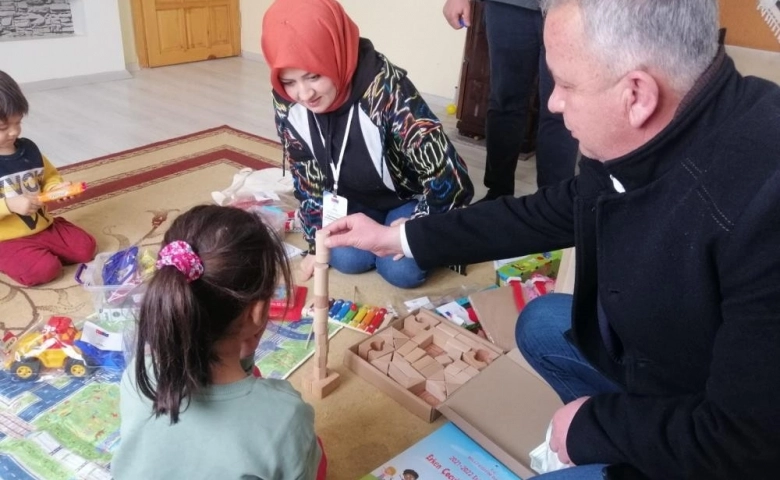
pixel 501 228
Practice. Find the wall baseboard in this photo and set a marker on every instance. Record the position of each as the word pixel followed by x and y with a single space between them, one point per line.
pixel 78 80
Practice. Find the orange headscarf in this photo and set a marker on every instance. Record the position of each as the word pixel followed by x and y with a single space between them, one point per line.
pixel 313 35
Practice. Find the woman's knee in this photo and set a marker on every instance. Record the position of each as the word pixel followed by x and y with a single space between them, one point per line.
pixel 350 260
pixel 403 273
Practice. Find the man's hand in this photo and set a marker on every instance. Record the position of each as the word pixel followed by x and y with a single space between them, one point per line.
pixel 25 205
pixel 455 10
pixel 561 422
pixel 361 232
pixel 307 267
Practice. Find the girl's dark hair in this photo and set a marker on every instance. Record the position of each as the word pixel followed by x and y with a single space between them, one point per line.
pixel 243 262
pixel 12 101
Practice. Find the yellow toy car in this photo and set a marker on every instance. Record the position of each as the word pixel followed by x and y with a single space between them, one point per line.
pixel 50 348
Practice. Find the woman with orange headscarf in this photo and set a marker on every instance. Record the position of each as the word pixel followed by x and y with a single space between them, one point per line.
pixel 356 132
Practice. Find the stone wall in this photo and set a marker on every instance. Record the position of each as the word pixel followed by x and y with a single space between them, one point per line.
pixel 24 19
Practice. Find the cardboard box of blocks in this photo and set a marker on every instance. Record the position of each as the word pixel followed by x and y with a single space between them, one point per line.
pixel 422 359
pixel 432 367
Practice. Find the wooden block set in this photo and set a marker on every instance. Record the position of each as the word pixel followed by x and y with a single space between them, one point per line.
pixel 428 357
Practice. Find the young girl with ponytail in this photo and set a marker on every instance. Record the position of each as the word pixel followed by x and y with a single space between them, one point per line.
pixel 189 409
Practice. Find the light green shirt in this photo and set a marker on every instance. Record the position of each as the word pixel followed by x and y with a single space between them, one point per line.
pixel 247 430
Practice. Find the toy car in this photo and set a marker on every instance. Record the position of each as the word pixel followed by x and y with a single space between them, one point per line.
pixel 52 347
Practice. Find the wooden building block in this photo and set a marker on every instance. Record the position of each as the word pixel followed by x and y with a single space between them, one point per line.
pixel 444 359
pixel 415 354
pixel 432 369
pixel 424 362
pixel 437 388
pixel 386 334
pixel 399 359
pixel 452 386
pixel 374 352
pixel 470 358
pixel 406 348
pixel 405 375
pixel 471 371
pixel 382 363
pixel 460 365
pixel 452 370
pixel 454 343
pixel 423 339
pixel 397 374
pixel 398 334
pixel 466 339
pixel 439 375
pixel 462 377
pixel 400 342
pixel 414 324
pixel 323 387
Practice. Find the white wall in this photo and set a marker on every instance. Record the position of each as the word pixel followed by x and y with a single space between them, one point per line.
pixel 411 33
pixel 128 35
pixel 96 49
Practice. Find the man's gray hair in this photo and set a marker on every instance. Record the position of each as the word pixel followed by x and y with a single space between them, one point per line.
pixel 679 38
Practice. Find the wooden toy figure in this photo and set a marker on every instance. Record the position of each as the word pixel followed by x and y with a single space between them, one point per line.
pixel 322 381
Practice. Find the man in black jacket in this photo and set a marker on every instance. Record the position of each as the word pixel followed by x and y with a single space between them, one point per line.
pixel 669 356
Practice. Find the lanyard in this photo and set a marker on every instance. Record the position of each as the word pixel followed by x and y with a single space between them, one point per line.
pixel 336 169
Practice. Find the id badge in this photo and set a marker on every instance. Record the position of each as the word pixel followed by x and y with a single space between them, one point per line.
pixel 333 208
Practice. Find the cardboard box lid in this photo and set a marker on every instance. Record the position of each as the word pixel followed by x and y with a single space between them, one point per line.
pixel 506 409
pixel 497 313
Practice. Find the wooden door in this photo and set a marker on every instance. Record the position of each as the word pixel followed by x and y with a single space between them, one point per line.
pixel 180 31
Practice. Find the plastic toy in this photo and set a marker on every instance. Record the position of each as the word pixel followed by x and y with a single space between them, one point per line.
pixel 362 318
pixel 452 109
pixel 120 267
pixel 71 190
pixel 58 345
pixel 52 347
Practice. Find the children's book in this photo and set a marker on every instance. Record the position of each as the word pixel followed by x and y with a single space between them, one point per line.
pixel 446 453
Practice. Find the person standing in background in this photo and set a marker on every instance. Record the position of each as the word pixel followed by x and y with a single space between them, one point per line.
pixel 517 55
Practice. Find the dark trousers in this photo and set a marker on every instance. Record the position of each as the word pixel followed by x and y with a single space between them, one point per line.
pixel 516 52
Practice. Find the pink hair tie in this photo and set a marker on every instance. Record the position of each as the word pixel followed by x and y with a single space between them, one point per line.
pixel 179 254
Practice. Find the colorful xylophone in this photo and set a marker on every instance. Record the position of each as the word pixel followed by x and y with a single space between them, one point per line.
pixel 363 318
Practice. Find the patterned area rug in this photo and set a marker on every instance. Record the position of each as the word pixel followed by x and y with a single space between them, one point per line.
pixel 132 197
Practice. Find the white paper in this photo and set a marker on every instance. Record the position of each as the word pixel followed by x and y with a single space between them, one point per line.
pixel 291 250
pixel 455 313
pixel 101 338
pixel 544 460
pixel 416 303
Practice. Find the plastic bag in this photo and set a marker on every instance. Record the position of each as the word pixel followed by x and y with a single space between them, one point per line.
pixel 60 346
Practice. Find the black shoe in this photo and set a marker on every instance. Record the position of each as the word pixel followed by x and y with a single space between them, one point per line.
pixel 491 195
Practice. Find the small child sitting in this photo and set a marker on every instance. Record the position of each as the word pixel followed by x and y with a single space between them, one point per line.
pixel 189 409
pixel 33 244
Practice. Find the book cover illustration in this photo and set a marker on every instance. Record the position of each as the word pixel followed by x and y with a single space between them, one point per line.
pixel 448 454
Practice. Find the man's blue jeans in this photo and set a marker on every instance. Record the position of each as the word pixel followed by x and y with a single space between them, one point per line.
pixel 540 338
pixel 403 273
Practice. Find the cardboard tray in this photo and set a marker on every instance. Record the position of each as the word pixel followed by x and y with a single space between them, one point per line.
pixel 416 398
pixel 506 409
